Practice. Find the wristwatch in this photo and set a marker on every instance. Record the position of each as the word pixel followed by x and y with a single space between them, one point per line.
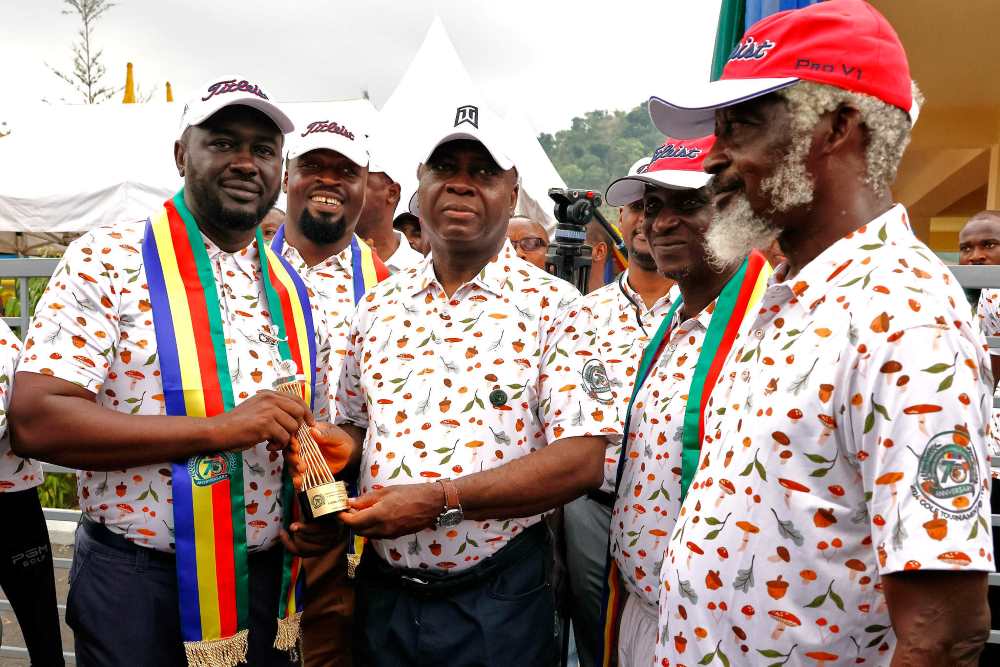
pixel 452 514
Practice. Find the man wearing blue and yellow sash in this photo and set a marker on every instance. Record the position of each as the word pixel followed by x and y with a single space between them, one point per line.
pixel 325 180
pixel 149 368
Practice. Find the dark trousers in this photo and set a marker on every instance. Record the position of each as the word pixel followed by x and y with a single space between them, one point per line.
pixel 327 619
pixel 991 654
pixel 507 619
pixel 26 575
pixel 123 605
pixel 587 522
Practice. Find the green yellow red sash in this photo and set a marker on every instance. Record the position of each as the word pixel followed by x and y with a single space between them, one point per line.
pixel 208 503
pixel 735 309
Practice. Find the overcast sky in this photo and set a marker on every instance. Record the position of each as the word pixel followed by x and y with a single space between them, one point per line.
pixel 552 58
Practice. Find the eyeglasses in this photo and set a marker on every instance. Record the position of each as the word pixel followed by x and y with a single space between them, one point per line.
pixel 530 243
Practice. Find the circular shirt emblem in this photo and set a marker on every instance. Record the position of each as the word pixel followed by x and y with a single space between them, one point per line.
pixel 595 381
pixel 948 476
pixel 208 469
pixel 498 397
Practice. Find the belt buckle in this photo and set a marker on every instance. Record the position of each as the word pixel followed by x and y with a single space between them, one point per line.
pixel 414 580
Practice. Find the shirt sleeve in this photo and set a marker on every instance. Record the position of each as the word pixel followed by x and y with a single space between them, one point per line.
pixel 75 328
pixel 576 397
pixel 986 312
pixel 350 402
pixel 919 408
pixel 10 349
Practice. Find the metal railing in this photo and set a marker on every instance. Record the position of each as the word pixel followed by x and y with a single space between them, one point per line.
pixel 970 277
pixel 22 270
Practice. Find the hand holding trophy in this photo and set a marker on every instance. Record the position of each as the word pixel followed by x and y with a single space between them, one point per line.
pixel 320 495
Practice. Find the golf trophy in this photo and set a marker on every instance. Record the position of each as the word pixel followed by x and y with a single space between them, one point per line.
pixel 321 496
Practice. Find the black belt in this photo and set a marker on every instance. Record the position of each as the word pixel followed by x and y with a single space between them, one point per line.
pixel 602 497
pixel 102 535
pixel 437 584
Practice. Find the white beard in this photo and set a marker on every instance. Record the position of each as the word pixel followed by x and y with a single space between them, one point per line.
pixel 736 231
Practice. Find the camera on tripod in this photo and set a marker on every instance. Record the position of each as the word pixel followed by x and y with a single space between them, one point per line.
pixel 575 206
pixel 569 256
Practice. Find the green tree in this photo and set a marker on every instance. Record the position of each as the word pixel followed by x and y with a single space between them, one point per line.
pixel 600 146
pixel 87 76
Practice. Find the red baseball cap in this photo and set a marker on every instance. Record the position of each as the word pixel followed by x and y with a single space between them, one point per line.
pixel 842 43
pixel 676 165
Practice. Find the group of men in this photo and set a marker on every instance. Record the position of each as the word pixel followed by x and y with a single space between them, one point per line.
pixel 703 409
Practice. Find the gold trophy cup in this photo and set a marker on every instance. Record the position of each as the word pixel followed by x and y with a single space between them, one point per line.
pixel 322 496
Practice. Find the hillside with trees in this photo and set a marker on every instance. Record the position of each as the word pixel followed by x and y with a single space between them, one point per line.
pixel 601 146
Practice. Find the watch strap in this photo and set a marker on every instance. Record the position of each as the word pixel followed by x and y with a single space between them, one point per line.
pixel 450 494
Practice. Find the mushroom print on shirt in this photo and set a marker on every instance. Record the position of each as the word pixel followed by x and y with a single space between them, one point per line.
pixel 853 431
pixel 94 327
pixel 16 473
pixel 449 387
pixel 650 493
pixel 988 315
pixel 618 311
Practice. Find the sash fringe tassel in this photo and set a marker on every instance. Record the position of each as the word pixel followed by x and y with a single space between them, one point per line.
pixel 227 652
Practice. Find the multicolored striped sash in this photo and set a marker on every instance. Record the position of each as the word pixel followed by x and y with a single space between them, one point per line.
pixel 735 309
pixel 208 503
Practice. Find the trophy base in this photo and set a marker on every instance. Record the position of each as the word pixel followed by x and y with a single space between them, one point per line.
pixel 323 501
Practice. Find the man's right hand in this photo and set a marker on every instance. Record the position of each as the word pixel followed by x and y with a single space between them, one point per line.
pixel 268 416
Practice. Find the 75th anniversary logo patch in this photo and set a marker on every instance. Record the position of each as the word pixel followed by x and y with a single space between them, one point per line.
pixel 948 476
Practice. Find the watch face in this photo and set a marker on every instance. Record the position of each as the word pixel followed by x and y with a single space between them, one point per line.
pixel 450 517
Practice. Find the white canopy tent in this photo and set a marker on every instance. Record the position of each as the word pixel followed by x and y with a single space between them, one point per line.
pixel 435 79
pixel 69 168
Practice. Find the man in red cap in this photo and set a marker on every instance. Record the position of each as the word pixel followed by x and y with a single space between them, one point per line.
pixel 628 311
pixel 673 380
pixel 840 510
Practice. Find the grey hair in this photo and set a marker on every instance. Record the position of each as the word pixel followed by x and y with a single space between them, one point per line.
pixel 888 126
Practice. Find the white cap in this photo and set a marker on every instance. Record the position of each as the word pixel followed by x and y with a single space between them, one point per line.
pixel 676 165
pixel 226 91
pixel 475 123
pixel 331 135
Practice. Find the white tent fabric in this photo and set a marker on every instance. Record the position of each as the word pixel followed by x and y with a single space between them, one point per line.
pixel 434 84
pixel 69 168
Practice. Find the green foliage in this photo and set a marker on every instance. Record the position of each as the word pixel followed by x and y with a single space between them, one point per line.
pixel 87 75
pixel 601 146
pixel 12 305
pixel 58 491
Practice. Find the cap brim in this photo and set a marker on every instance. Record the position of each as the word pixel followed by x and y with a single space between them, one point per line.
pixel 356 154
pixel 690 112
pixel 413 207
pixel 498 156
pixel 626 190
pixel 270 110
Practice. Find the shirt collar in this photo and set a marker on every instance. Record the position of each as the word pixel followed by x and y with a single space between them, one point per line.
pixel 699 321
pixel 809 286
pixel 634 296
pixel 245 258
pixel 491 277
pixel 342 260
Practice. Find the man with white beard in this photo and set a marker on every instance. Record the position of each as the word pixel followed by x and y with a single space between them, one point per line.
pixel 839 512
